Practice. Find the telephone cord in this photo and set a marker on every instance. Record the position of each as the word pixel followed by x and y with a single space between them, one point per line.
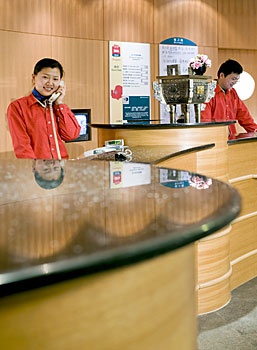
pixel 54 131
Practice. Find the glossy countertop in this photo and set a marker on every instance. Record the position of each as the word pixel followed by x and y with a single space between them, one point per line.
pixel 153 154
pixel 158 124
pixel 242 137
pixel 100 215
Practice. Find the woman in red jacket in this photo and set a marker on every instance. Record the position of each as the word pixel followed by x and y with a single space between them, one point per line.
pixel 38 123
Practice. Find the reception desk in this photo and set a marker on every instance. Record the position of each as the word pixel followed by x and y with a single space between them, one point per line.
pixel 105 258
pixel 242 167
pixel 228 258
pixel 212 162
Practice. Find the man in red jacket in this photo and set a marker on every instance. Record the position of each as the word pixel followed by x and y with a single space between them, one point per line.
pixel 38 126
pixel 226 104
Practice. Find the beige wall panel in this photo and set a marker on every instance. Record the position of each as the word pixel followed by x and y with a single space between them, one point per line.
pixel 30 16
pixel 83 62
pixel 195 20
pixel 128 20
pixel 79 19
pixel 236 20
pixel 213 54
pixel 18 55
pixel 247 58
pixel 105 117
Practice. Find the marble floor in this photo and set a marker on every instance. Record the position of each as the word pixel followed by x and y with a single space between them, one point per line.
pixel 234 327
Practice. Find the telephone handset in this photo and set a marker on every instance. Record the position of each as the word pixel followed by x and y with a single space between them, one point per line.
pixel 55 95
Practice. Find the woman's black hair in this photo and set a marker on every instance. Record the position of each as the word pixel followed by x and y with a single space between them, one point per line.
pixel 48 184
pixel 48 63
pixel 230 66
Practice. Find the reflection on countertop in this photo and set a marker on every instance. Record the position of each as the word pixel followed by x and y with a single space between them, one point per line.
pixel 102 214
pixel 153 154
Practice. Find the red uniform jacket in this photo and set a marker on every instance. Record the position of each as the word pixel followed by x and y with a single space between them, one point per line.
pixel 32 132
pixel 226 106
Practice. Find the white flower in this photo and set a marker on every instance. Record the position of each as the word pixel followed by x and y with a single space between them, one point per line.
pixel 199 61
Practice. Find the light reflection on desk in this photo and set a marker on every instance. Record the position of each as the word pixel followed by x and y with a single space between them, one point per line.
pixel 84 222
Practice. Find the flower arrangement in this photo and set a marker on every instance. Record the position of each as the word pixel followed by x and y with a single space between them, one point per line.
pixel 199 61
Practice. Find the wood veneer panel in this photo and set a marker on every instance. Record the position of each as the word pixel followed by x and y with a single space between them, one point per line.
pixel 31 243
pixel 185 161
pixel 18 55
pixel 195 20
pixel 213 256
pixel 83 65
pixel 172 136
pixel 209 162
pixel 242 159
pixel 244 270
pixel 128 20
pixel 213 54
pixel 214 297
pixel 79 19
pixel 237 24
pixel 7 155
pixel 83 62
pixel 30 16
pixel 214 271
pixel 152 301
pixel 213 163
pixel 248 192
pixel 243 238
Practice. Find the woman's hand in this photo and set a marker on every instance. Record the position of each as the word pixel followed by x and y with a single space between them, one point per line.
pixel 62 90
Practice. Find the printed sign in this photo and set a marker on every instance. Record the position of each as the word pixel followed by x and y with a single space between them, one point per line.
pixel 175 51
pixel 129 69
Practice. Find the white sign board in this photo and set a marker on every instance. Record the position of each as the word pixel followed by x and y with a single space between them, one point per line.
pixel 129 73
pixel 174 54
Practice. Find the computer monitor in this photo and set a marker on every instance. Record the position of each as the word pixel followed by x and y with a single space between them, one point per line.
pixel 83 118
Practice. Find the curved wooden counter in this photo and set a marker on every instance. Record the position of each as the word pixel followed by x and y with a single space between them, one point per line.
pixel 101 263
pixel 242 175
pixel 212 163
pixel 213 263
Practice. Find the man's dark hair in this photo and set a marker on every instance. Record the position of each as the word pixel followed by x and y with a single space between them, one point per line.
pixel 48 63
pixel 230 66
